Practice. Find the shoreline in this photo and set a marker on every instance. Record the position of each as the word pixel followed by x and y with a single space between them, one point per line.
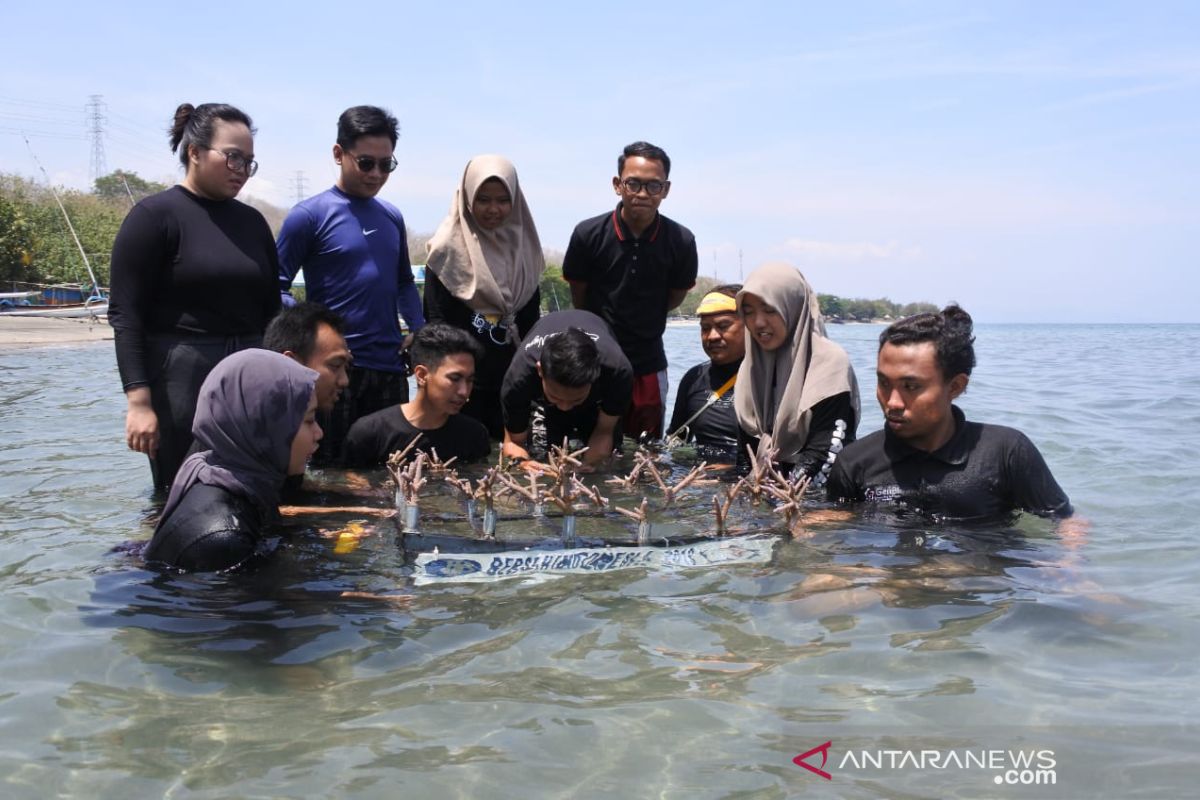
pixel 20 332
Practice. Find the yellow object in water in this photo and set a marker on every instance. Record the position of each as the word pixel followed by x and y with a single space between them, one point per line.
pixel 348 537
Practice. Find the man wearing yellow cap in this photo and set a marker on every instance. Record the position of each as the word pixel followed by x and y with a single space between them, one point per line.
pixel 704 411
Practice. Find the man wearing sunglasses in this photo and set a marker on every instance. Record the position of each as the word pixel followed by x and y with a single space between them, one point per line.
pixel 354 252
pixel 631 266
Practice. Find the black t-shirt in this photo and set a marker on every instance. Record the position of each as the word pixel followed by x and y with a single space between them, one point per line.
pixel 442 306
pixel 182 264
pixel 211 529
pixel 983 471
pixel 373 438
pixel 716 429
pixel 628 279
pixel 522 385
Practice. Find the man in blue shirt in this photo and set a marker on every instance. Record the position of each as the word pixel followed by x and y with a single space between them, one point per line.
pixel 354 252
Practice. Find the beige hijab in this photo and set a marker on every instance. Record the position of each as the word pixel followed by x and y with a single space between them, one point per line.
pixel 777 389
pixel 493 272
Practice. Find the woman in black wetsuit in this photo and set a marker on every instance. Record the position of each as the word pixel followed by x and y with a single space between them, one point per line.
pixel 194 278
pixel 485 264
pixel 796 392
pixel 255 425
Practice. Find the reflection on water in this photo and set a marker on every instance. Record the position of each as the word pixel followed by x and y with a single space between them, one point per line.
pixel 328 673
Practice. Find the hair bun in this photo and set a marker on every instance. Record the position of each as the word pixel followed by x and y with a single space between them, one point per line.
pixel 957 319
pixel 182 115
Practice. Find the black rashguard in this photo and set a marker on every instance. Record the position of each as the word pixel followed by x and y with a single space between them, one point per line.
pixel 984 471
pixel 373 439
pixel 184 265
pixel 211 529
pixel 715 431
pixel 442 306
pixel 822 430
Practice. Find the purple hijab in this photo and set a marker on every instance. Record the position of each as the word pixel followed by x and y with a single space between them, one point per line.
pixel 249 410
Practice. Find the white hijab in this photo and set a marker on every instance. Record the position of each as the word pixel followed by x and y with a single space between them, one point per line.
pixel 777 389
pixel 493 272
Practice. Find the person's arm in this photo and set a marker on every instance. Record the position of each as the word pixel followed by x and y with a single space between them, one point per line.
pixel 600 443
pixel 272 300
pixel 747 445
pixel 359 449
pixel 437 299
pixel 577 268
pixel 682 411
pixel 141 423
pixel 515 445
pixel 675 297
pixel 1033 487
pixel 139 251
pixel 517 392
pixel 408 304
pixel 821 432
pixel 293 247
pixel 528 316
pixel 408 299
pixel 578 294
pixel 617 381
pixel 683 273
pixel 841 486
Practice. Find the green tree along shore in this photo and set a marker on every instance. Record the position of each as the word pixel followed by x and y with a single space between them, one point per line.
pixel 36 247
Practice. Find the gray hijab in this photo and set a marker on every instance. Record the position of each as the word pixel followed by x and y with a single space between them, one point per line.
pixel 249 410
pixel 777 389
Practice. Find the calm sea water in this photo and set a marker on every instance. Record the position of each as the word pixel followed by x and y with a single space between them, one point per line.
pixel 119 682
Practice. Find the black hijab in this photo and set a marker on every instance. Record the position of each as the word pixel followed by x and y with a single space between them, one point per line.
pixel 249 410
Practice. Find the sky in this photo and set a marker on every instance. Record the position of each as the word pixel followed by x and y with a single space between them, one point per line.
pixel 1033 161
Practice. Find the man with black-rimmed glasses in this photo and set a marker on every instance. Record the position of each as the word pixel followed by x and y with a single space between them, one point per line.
pixel 631 266
pixel 354 252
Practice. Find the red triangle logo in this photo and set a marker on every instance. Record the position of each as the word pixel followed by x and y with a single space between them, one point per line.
pixel 824 751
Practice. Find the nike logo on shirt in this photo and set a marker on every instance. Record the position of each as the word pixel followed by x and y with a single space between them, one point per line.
pixel 369 232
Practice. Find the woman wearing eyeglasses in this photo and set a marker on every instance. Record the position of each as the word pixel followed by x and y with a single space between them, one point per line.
pixel 193 280
pixel 485 263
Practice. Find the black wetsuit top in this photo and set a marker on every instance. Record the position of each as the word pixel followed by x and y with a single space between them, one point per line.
pixel 185 265
pixel 211 529
pixel 373 439
pixel 821 433
pixel 984 471
pixel 715 431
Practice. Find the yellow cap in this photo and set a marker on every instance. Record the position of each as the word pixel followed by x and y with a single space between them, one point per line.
pixel 716 303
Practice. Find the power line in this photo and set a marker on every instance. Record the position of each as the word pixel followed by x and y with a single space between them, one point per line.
pixel 95 109
pixel 37 103
pixel 23 131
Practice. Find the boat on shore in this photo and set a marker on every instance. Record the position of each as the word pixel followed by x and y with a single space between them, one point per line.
pixel 67 300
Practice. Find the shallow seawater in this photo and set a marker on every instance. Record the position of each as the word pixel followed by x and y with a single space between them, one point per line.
pixel 329 673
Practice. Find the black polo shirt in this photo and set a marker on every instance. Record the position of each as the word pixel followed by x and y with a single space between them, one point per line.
pixel 628 279
pixel 983 471
pixel 523 386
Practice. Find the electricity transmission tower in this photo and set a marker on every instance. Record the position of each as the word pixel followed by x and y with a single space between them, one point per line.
pixel 95 120
pixel 300 188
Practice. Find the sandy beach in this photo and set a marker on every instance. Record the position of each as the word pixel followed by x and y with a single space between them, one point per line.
pixel 43 331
